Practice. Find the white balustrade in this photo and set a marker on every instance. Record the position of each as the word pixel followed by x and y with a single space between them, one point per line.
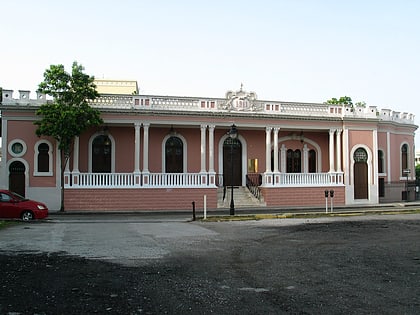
pixel 175 180
pixel 131 180
pixel 183 180
pixel 103 180
pixel 171 103
pixel 304 179
pixel 113 101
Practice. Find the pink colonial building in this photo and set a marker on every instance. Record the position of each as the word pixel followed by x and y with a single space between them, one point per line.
pixel 162 152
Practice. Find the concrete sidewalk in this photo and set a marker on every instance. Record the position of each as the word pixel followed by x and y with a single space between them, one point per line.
pixel 244 213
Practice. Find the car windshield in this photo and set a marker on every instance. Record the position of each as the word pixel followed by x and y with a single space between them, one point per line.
pixel 18 197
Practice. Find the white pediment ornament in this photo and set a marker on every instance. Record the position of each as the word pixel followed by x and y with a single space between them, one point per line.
pixel 241 101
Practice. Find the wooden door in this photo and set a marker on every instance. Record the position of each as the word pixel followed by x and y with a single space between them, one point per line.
pixel 360 180
pixel 101 154
pixel 232 162
pixel 17 178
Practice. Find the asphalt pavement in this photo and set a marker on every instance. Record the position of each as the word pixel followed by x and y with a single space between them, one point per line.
pixel 126 263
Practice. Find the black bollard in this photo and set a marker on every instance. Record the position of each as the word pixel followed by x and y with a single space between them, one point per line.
pixel 193 205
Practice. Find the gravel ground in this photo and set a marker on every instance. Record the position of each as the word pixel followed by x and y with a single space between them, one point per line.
pixel 368 265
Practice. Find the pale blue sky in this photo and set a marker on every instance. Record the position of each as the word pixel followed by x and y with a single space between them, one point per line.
pixel 287 50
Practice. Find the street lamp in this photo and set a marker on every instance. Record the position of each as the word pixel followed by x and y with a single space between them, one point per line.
pixel 233 134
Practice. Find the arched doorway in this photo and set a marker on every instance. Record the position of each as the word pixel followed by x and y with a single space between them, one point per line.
pixel 232 162
pixel 174 155
pixel 101 154
pixel 17 177
pixel 294 161
pixel 360 174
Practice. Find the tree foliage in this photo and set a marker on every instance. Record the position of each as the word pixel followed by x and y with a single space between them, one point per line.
pixel 345 100
pixel 68 115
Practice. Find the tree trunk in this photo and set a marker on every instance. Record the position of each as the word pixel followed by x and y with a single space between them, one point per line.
pixel 62 190
pixel 64 161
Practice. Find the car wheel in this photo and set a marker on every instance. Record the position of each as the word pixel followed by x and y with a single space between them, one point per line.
pixel 27 216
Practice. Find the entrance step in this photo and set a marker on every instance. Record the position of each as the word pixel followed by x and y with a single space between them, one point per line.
pixel 242 198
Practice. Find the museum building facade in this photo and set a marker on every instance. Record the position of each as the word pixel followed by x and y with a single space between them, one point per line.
pixel 165 152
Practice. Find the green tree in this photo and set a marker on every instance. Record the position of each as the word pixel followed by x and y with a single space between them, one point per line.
pixel 345 100
pixel 68 115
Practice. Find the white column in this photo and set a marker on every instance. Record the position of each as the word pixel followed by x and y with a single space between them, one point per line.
pixel 268 149
pixel 412 164
pixel 211 148
pixel 305 158
pixel 338 149
pixel 203 129
pixel 375 157
pixel 331 150
pixel 349 187
pixel 388 157
pixel 146 147
pixel 283 158
pixel 346 157
pixel 4 178
pixel 374 179
pixel 276 150
pixel 137 147
pixel 75 156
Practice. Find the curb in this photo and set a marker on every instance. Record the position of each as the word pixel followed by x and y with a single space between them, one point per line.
pixel 301 215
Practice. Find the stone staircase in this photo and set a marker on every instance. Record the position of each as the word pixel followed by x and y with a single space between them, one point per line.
pixel 242 198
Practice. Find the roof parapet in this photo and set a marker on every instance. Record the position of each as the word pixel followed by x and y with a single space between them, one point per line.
pixel 24 98
pixel 174 103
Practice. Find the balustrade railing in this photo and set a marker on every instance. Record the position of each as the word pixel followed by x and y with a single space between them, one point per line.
pixel 185 180
pixel 132 180
pixel 176 180
pixel 307 179
pixel 155 102
pixel 103 180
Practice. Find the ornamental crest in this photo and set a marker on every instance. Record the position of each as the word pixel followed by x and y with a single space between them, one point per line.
pixel 241 101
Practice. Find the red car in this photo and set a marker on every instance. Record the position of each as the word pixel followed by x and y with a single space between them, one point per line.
pixel 13 205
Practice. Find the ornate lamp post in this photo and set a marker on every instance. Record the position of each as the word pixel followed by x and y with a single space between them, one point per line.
pixel 233 134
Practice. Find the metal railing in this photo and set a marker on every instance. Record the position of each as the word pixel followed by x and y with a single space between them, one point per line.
pixel 253 183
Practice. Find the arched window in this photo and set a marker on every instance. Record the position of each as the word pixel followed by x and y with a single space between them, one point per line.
pixel 43 159
pixel 381 162
pixel 312 161
pixel 101 154
pixel 404 159
pixel 293 161
pixel 360 156
pixel 174 155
